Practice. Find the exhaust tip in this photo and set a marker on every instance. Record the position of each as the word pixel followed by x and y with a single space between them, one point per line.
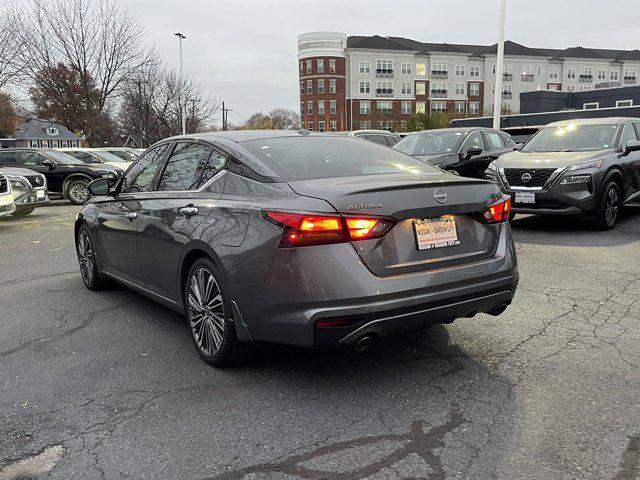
pixel 363 343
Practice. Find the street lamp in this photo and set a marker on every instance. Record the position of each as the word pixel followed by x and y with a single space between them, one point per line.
pixel 182 114
pixel 497 100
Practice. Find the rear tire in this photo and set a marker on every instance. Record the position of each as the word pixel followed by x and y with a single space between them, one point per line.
pixel 78 192
pixel 607 213
pixel 87 260
pixel 23 212
pixel 208 312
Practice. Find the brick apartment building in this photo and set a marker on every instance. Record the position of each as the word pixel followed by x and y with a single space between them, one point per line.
pixel 355 82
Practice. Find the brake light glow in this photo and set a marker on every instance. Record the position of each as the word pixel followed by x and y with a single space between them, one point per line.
pixel 498 212
pixel 361 227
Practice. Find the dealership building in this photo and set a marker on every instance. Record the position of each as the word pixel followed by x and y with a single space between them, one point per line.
pixel 356 82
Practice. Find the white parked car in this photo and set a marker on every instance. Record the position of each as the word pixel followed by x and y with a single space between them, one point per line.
pixel 7 204
pixel 94 155
pixel 127 154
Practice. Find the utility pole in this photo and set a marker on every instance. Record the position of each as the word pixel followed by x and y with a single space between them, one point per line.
pixel 225 112
pixel 182 113
pixel 497 100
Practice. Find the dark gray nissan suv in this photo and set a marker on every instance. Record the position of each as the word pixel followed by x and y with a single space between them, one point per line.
pixel 298 238
pixel 587 166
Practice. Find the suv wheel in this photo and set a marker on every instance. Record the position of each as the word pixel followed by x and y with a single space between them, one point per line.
pixel 608 211
pixel 87 261
pixel 208 312
pixel 78 191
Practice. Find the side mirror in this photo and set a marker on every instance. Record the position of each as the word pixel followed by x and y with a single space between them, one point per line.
pixel 518 146
pixel 631 146
pixel 49 164
pixel 472 152
pixel 99 187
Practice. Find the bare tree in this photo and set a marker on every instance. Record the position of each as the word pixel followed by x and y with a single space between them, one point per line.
pixel 277 119
pixel 12 62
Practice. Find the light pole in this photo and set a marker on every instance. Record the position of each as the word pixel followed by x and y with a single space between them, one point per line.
pixel 497 100
pixel 182 114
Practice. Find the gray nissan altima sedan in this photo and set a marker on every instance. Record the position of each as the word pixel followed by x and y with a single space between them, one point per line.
pixel 298 238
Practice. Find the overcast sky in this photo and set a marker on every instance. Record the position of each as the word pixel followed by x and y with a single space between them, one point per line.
pixel 244 51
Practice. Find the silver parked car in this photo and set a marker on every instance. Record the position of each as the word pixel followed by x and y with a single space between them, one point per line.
pixel 29 189
pixel 298 238
pixel 7 205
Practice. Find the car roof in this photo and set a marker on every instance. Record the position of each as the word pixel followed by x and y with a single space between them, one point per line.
pixel 453 130
pixel 594 121
pixel 372 131
pixel 239 136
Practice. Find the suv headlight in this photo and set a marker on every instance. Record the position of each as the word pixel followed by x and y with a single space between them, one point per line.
pixel 590 164
pixel 574 179
pixel 492 166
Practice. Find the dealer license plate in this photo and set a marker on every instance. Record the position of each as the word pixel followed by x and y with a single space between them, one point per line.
pixel 39 194
pixel 525 197
pixel 436 232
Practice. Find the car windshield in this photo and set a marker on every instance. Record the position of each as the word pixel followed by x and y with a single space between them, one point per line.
pixel 430 143
pixel 106 156
pixel 312 157
pixel 572 138
pixel 63 158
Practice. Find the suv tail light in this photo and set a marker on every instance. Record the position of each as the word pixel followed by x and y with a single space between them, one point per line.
pixel 303 230
pixel 498 212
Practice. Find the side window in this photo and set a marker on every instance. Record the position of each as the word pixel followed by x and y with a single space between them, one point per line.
pixel 494 140
pixel 217 162
pixel 185 167
pixel 391 140
pixel 83 156
pixel 139 177
pixel 508 141
pixel 377 139
pixel 628 133
pixel 474 140
pixel 8 158
pixel 32 158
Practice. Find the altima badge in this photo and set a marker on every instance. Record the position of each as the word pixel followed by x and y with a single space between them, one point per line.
pixel 440 195
pixel 364 206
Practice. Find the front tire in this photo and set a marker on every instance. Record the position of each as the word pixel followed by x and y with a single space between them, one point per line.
pixel 87 261
pixel 208 312
pixel 607 213
pixel 78 192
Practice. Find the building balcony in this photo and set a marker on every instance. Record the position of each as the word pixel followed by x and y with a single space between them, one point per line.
pixel 507 77
pixel 384 72
pixel 526 77
pixel 440 74
pixel 507 95
pixel 384 92
pixel 629 80
pixel 438 93
pixel 585 78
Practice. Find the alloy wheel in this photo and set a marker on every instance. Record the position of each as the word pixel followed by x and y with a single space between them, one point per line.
pixel 206 311
pixel 79 192
pixel 86 258
pixel 612 206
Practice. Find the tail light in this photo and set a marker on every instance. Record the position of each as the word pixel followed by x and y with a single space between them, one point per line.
pixel 498 212
pixel 303 230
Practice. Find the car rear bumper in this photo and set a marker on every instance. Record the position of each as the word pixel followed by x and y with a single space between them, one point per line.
pixel 330 283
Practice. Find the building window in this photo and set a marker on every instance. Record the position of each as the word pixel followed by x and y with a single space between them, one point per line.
pixel 614 75
pixel 302 111
pixel 527 69
pixel 365 87
pixel 438 106
pixel 403 125
pixel 301 88
pixel 570 88
pixel 459 89
pixel 384 87
pixel 384 66
pixel 459 107
pixel 332 107
pixel 624 103
pixel 440 67
pixel 332 85
pixel 309 108
pixel 365 124
pixel 320 66
pixel 384 107
pixel 474 107
pixel 309 66
pixel 365 67
pixel 321 126
pixel 406 68
pixel 474 89
pixel 309 87
pixel 421 69
pixel 539 69
pixel 571 73
pixel 320 107
pixel 385 124
pixel 301 66
pixel 586 71
pixel 333 126
pixel 405 108
pixel 365 107
pixel 591 106
pixel 309 125
pixel 474 71
pixel 320 86
pixel 421 88
pixel 553 72
pixel 507 69
pixel 553 86
pixel 406 88
pixel 460 70
pixel 332 66
pixel 420 107
pixel 602 74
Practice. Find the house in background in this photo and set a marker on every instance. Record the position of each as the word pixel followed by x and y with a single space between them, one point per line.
pixel 38 133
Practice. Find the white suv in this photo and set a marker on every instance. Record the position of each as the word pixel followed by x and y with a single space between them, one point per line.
pixel 7 205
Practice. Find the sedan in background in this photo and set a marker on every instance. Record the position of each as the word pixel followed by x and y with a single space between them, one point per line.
pixel 92 155
pixel 127 154
pixel 382 137
pixel 463 151
pixel 7 205
pixel 29 189
pixel 298 238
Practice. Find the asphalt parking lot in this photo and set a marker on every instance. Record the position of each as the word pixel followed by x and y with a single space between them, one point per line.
pixel 107 385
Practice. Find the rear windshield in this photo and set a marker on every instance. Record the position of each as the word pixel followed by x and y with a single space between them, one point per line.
pixel 63 158
pixel 572 138
pixel 305 158
pixel 430 143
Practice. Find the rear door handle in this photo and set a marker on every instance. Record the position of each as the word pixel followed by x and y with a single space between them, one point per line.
pixel 131 216
pixel 188 211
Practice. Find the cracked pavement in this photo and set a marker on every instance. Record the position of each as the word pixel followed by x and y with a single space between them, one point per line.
pixel 548 390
